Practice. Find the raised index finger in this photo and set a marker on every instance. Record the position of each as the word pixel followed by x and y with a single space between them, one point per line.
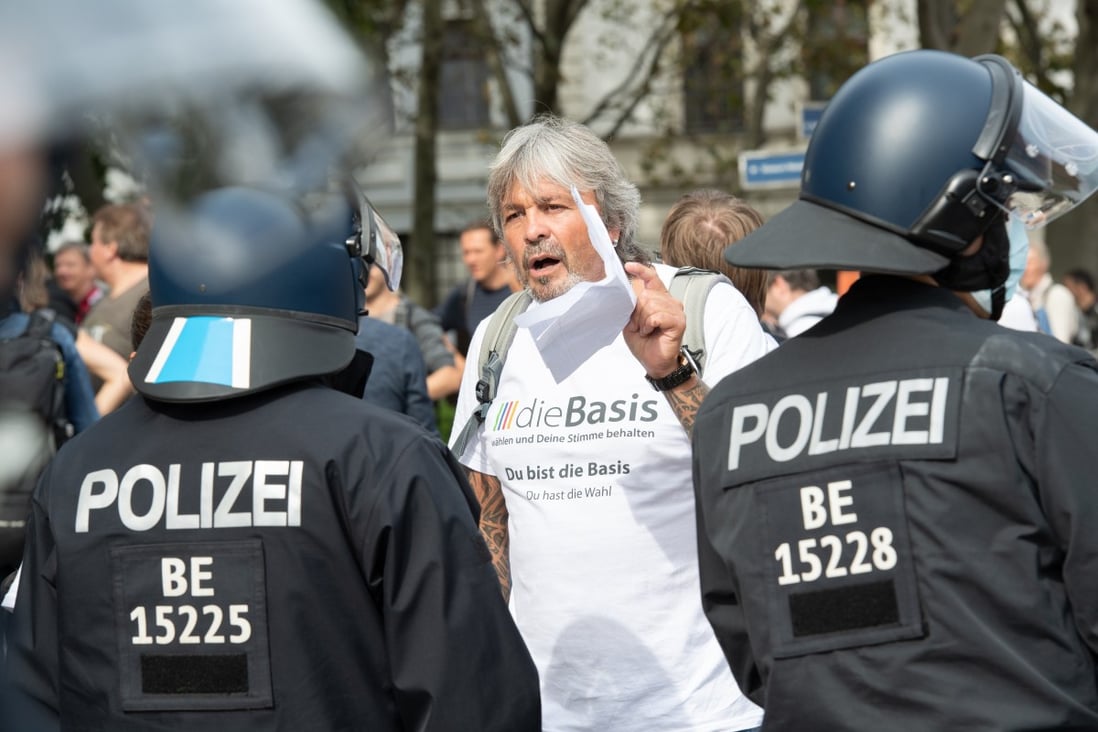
pixel 645 277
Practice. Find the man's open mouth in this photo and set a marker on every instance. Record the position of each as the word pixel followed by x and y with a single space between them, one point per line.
pixel 542 263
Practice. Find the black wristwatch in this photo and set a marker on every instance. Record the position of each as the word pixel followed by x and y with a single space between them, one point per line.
pixel 678 377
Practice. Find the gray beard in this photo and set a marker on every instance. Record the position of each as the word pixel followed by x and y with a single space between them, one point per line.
pixel 559 289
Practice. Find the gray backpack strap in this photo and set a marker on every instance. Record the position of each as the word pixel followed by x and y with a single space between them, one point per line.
pixel 492 357
pixel 691 287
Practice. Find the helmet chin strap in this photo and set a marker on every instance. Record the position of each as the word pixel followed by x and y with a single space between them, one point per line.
pixel 986 269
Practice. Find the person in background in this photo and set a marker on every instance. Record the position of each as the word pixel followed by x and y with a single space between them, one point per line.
pixel 491 280
pixel 120 254
pixel 583 481
pixel 698 228
pixel 1052 303
pixel 47 383
pixel 1081 284
pixel 74 274
pixel 444 365
pixel 398 376
pixel 1018 314
pixel 796 301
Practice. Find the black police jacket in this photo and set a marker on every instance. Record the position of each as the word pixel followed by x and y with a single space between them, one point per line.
pixel 897 521
pixel 292 560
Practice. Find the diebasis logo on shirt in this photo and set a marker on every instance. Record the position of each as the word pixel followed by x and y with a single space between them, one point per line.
pixel 537 413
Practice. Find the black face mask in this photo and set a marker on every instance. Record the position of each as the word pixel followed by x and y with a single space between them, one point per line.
pixel 987 269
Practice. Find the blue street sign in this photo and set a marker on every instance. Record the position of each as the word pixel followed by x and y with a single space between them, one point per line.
pixel 810 115
pixel 769 169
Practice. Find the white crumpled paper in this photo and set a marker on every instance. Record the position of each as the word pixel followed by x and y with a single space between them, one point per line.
pixel 569 329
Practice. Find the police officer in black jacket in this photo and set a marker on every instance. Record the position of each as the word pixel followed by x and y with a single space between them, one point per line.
pixel 896 510
pixel 242 547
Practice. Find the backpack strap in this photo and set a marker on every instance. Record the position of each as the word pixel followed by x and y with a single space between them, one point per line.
pixel 40 324
pixel 40 327
pixel 493 355
pixel 691 287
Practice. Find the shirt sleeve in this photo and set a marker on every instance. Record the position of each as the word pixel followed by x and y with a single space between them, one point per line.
pixel 721 598
pixel 417 404
pixel 457 660
pixel 1063 315
pixel 1064 460
pixel 733 335
pixel 32 636
pixel 79 398
pixel 429 335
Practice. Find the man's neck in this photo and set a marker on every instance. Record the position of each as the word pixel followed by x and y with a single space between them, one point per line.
pixel 384 302
pixel 126 276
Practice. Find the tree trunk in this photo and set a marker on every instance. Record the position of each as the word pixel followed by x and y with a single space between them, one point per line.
pixel 978 30
pixel 971 33
pixel 419 281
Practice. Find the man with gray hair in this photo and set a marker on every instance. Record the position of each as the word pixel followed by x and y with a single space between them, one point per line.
pixel 1053 304
pixel 584 483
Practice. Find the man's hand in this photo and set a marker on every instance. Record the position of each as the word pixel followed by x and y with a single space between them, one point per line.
pixel 655 329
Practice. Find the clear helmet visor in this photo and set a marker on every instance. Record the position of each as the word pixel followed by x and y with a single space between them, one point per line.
pixel 1054 157
pixel 384 249
pixel 374 241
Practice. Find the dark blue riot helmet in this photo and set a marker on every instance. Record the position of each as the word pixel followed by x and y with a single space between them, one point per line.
pixel 251 289
pixel 916 156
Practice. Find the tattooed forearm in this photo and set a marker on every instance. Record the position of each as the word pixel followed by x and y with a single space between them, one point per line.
pixel 493 525
pixel 685 401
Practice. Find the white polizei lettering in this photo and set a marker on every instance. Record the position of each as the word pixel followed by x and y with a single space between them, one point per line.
pixel 293 499
pixel 269 481
pixel 884 391
pixel 836 500
pixel 739 436
pixel 155 479
pixel 174 519
pixel 813 512
pixel 240 471
pixel 804 410
pixel 850 411
pixel 206 496
pixel 906 409
pixel 753 423
pixel 937 410
pixel 263 491
pixel 89 500
pixel 816 446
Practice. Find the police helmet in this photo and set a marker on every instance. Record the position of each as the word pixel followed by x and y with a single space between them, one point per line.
pixel 251 289
pixel 916 156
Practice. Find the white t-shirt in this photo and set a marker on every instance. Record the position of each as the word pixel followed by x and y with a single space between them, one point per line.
pixel 1018 314
pixel 596 475
pixel 807 310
